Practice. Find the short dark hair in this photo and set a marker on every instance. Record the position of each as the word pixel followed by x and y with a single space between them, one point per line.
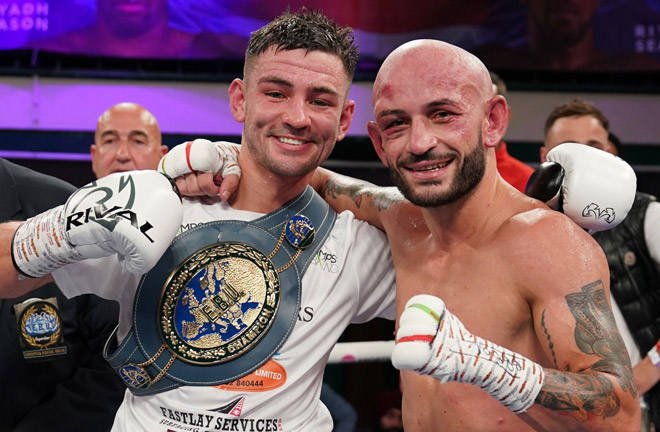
pixel 577 107
pixel 306 29
pixel 616 142
pixel 499 83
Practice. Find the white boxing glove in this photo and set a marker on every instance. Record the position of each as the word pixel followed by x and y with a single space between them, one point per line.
pixel 432 341
pixel 135 214
pixel 594 188
pixel 201 155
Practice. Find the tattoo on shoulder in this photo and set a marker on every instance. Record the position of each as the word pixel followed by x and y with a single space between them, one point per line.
pixel 585 393
pixel 359 192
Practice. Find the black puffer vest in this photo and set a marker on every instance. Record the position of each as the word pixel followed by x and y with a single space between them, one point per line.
pixel 635 283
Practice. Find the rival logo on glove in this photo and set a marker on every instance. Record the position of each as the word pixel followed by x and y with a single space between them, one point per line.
pixel 101 214
pixel 107 218
pixel 606 214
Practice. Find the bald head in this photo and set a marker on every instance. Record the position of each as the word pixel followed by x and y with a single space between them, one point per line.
pixel 127 138
pixel 428 61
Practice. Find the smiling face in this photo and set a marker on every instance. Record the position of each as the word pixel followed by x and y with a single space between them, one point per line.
pixel 432 104
pixel 294 107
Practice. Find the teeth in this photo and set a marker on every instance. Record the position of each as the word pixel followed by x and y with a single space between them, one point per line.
pixel 432 167
pixel 291 141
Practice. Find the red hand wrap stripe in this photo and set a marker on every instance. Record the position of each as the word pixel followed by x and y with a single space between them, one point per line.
pixel 416 338
pixel 188 147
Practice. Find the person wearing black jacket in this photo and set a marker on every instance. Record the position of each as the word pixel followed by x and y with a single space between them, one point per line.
pixel 52 373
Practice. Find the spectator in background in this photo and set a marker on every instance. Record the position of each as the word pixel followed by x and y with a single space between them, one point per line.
pixel 74 387
pixel 387 412
pixel 53 377
pixel 133 29
pixel 127 138
pixel 514 171
pixel 344 416
pixel 633 254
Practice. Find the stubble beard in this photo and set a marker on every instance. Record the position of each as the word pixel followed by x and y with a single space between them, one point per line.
pixel 464 181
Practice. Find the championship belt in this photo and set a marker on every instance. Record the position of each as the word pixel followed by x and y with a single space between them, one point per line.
pixel 222 299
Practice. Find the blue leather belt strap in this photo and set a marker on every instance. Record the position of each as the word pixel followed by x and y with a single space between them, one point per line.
pixel 143 342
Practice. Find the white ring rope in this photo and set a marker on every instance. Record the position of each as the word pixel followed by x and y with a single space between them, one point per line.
pixel 357 352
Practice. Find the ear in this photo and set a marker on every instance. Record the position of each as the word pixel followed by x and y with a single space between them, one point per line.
pixel 377 141
pixel 346 119
pixel 543 152
pixel 237 99
pixel 163 149
pixel 496 122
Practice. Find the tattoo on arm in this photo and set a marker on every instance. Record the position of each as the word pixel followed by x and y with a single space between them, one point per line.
pixel 359 192
pixel 588 392
pixel 550 344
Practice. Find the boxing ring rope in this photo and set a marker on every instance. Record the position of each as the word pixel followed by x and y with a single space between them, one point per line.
pixel 360 352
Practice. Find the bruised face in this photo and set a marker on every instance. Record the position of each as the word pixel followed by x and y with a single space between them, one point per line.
pixel 429 106
pixel 294 108
pixel 584 129
pixel 127 138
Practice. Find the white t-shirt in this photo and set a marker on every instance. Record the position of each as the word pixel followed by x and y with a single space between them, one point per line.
pixel 351 280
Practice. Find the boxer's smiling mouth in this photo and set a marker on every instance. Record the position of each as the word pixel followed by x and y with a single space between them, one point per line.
pixel 291 141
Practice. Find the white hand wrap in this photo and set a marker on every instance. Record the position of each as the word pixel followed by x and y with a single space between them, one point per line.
pixel 432 341
pixel 134 214
pixel 598 189
pixel 201 155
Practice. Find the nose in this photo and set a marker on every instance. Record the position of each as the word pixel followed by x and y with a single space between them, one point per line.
pixel 296 114
pixel 422 138
pixel 123 151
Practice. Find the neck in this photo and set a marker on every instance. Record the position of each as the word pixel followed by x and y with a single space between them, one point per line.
pixel 261 191
pixel 465 219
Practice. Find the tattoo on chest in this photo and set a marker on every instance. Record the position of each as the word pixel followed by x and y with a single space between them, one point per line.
pixel 589 392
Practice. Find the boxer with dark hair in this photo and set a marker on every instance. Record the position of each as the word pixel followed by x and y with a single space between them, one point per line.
pixel 256 291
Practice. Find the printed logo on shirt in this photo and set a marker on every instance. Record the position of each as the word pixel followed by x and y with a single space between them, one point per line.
pixel 234 407
pixel 327 261
pixel 188 226
pixel 269 376
pixel 180 421
pixel 306 314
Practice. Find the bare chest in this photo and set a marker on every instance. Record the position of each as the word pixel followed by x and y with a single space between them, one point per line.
pixel 475 284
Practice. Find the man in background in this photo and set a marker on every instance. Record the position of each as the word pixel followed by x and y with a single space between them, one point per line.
pixel 52 346
pixel 127 138
pixel 52 369
pixel 633 254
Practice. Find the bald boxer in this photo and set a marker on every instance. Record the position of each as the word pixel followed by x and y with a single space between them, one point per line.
pixel 503 305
